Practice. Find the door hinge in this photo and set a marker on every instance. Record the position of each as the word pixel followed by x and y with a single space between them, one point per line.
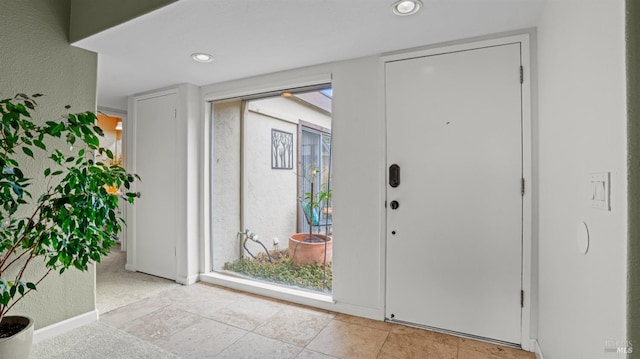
pixel 522 299
pixel 521 74
pixel 522 186
pixel 175 113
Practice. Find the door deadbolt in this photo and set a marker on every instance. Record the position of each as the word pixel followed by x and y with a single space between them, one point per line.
pixel 394 175
pixel 394 204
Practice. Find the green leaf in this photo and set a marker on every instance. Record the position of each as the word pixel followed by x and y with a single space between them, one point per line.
pixel 27 151
pixel 40 144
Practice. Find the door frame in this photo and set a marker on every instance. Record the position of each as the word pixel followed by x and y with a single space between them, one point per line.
pixel 527 164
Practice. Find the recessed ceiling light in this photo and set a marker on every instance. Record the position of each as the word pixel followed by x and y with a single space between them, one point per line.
pixel 202 57
pixel 406 7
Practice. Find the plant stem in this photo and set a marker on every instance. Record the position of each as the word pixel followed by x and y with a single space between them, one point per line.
pixel 4 310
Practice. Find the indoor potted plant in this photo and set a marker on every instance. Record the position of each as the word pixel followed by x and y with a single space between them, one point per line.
pixel 67 221
pixel 308 248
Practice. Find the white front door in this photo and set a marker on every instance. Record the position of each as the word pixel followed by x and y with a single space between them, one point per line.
pixel 155 210
pixel 454 239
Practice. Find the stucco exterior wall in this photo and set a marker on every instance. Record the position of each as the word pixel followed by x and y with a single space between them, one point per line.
pixel 270 194
pixel 226 180
pixel 270 201
pixel 36 57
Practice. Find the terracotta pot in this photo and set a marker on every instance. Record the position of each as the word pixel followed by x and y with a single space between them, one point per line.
pixel 303 253
pixel 17 346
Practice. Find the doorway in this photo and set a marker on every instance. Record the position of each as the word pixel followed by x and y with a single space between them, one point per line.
pixel 455 198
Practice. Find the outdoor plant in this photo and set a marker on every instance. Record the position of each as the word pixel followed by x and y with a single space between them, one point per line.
pixel 313 203
pixel 59 214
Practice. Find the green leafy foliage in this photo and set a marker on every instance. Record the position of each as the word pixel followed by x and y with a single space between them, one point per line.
pixel 73 221
pixel 281 270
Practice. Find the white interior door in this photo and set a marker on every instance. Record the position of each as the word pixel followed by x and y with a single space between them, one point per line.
pixel 454 242
pixel 155 217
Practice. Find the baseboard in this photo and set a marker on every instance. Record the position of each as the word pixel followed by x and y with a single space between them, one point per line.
pixel 536 349
pixel 188 280
pixel 64 326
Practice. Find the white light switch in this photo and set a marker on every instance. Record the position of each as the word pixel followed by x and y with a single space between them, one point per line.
pixel 599 184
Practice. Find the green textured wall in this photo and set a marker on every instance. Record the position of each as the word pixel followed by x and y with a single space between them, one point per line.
pixel 633 109
pixel 88 17
pixel 35 56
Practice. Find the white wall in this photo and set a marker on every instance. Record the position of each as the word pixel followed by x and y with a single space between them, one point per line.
pixel 582 129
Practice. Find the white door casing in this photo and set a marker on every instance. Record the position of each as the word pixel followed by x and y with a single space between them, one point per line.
pixel 454 126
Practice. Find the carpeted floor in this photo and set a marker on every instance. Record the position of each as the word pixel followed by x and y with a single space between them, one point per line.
pixel 117 287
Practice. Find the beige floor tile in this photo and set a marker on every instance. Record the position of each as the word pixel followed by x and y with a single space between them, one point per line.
pixel 294 325
pixel 206 302
pixel 202 340
pixel 416 346
pixel 375 324
pixel 246 313
pixel 124 315
pixel 437 350
pixel 472 354
pixel 309 354
pixel 254 346
pixel 159 325
pixel 426 334
pixel 346 340
pixel 197 293
pixel 494 349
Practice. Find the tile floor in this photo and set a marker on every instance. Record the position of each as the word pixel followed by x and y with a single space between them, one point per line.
pixel 147 317
pixel 204 321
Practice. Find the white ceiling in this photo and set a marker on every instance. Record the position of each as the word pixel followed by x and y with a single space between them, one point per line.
pixel 252 37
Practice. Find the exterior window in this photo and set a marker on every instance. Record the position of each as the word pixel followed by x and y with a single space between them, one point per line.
pixel 272 189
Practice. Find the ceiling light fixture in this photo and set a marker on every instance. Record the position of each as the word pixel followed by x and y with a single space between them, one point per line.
pixel 406 7
pixel 202 57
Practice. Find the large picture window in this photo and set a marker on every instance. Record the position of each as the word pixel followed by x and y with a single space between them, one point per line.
pixel 272 188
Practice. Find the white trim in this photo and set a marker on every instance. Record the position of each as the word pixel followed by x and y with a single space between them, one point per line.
pixel 535 345
pixel 292 295
pixel 188 280
pixel 130 268
pixel 269 86
pixel 527 155
pixel 64 326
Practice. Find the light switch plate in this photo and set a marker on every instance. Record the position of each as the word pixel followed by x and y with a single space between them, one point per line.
pixel 599 186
